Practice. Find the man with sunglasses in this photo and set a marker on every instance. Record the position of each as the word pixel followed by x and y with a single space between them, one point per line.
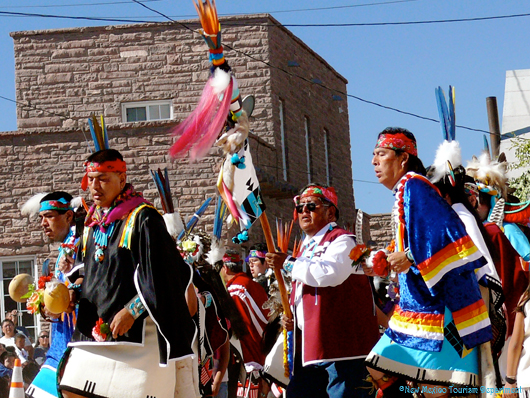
pixel 334 320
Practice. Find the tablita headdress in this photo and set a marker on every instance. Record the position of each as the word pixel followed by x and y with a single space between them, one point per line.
pixel 220 98
pixel 447 164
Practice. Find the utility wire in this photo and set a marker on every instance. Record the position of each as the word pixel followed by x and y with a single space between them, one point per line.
pixel 328 25
pixel 74 5
pixel 308 80
pixel 252 57
pixel 28 105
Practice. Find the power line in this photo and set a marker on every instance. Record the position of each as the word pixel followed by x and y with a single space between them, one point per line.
pixel 336 25
pixel 249 56
pixel 28 105
pixel 74 5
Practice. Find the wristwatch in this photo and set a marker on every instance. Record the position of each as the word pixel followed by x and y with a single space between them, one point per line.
pixel 511 380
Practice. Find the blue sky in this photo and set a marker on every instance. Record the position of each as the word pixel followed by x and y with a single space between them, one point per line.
pixel 398 66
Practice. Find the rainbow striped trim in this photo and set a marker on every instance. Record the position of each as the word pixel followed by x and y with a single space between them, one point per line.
pixel 126 236
pixel 471 318
pixel 420 325
pixel 454 255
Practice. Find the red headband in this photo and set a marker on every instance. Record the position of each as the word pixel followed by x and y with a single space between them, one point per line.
pixel 231 258
pixel 314 190
pixel 397 142
pixel 117 165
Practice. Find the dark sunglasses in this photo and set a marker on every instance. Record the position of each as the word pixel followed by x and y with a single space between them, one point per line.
pixel 44 337
pixel 311 206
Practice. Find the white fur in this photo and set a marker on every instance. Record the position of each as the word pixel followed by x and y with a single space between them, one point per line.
pixel 232 140
pixel 447 151
pixel 32 206
pixel 489 172
pixel 220 80
pixel 76 203
pixel 216 253
pixel 174 224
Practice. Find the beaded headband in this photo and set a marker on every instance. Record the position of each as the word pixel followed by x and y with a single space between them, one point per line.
pixel 255 254
pixel 397 142
pixel 328 194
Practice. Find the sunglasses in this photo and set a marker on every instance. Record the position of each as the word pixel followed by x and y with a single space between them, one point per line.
pixel 44 337
pixel 311 206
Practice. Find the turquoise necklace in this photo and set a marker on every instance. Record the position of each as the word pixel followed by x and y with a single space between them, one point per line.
pixel 101 239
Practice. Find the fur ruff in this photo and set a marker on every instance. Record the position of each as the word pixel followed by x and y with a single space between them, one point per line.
pixel 32 206
pixel 216 252
pixel 447 151
pixel 174 224
pixel 232 140
pixel 489 172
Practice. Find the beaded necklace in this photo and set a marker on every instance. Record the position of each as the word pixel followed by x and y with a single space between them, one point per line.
pixel 101 240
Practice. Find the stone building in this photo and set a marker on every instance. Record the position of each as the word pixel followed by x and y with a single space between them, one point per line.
pixel 144 79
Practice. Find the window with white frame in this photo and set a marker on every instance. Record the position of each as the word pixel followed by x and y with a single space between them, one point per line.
pixel 9 268
pixel 283 141
pixel 145 111
pixel 326 157
pixel 308 148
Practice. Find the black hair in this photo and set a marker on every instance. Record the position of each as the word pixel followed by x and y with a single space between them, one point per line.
pixel 6 354
pixel 414 163
pixel 105 155
pixel 56 196
pixel 7 320
pixel 316 184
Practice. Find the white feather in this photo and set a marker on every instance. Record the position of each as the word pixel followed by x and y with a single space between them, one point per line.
pixel 216 252
pixel 447 151
pixel 32 206
pixel 76 202
pixel 489 172
pixel 220 81
pixel 174 224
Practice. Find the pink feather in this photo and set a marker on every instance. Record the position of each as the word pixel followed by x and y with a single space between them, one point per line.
pixel 200 129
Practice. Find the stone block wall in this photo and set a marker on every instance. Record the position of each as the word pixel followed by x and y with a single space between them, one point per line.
pixel 380 230
pixel 67 75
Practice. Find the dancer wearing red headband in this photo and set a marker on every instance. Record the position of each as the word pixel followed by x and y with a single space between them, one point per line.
pixel 334 319
pixel 132 311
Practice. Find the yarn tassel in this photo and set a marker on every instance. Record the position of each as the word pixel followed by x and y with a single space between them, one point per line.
pixel 201 128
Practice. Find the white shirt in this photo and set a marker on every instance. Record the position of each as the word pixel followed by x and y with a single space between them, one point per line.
pixel 474 233
pixel 330 269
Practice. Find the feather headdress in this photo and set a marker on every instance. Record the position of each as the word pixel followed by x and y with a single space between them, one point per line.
pixel 489 175
pixel 32 205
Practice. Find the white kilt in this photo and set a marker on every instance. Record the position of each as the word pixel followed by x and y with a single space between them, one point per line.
pixel 120 371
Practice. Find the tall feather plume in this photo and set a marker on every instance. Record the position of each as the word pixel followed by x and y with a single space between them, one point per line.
pixel 99 133
pixel 32 205
pixel 283 234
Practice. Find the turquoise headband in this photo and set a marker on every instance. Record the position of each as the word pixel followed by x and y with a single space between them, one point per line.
pixel 59 205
